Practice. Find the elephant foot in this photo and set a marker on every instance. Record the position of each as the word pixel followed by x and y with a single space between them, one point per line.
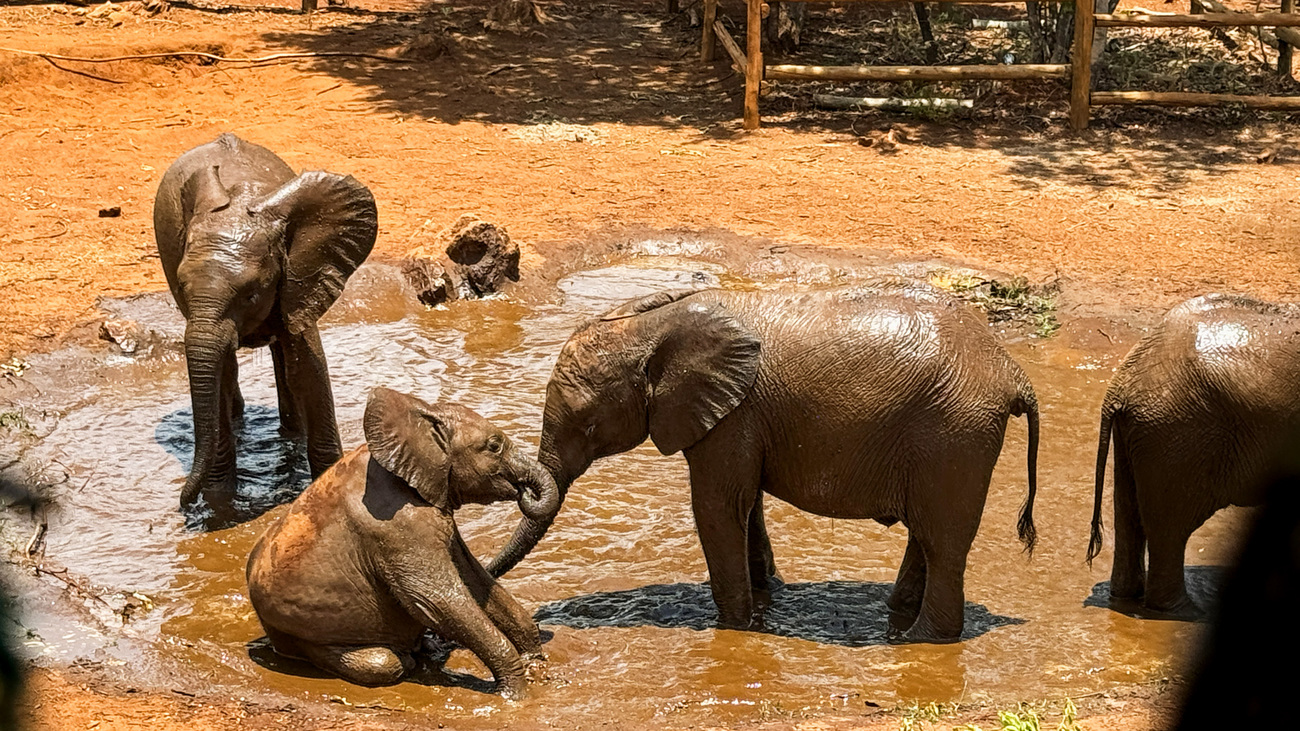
pixel 1131 590
pixel 1182 609
pixel 752 622
pixel 901 621
pixel 513 689
pixel 925 632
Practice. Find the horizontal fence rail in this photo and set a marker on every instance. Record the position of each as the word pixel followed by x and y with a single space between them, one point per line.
pixel 1190 99
pixel 1200 20
pixel 920 73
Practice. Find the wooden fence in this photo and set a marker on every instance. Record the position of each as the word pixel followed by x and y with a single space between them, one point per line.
pixel 749 62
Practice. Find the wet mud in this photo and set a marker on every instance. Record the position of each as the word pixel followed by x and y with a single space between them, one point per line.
pixel 618 584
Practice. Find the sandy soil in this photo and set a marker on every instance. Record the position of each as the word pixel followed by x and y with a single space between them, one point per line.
pixel 1127 218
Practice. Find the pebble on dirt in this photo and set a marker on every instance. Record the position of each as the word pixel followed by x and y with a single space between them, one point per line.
pixel 477 259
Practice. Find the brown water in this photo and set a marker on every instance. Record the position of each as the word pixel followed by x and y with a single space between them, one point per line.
pixel 618 581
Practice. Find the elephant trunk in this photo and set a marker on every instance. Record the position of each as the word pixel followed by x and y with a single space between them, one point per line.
pixel 539 498
pixel 532 528
pixel 209 357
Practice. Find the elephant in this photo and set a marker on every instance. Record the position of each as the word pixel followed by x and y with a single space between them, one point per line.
pixel 1197 412
pixel 369 557
pixel 254 255
pixel 885 401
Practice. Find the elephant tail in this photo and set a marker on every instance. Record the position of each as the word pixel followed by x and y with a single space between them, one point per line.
pixel 1109 408
pixel 1027 404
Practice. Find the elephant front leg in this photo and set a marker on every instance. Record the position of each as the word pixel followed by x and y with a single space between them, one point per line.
pixel 723 493
pixel 762 566
pixel 308 379
pixel 512 619
pixel 905 601
pixel 290 412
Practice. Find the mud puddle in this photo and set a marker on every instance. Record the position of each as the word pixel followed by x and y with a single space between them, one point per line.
pixel 618 583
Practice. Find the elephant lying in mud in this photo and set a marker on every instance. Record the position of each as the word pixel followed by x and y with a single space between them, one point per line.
pixel 886 402
pixel 255 255
pixel 369 556
pixel 1197 411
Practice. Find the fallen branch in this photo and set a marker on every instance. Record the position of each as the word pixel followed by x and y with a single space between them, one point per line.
pixel 209 56
pixel 87 74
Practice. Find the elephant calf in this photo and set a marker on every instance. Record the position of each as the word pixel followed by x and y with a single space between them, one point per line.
pixel 369 556
pixel 255 255
pixel 1197 411
pixel 887 401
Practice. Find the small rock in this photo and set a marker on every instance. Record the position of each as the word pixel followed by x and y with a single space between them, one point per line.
pixel 126 334
pixel 110 212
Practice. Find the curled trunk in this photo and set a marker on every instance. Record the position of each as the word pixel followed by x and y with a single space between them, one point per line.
pixel 539 498
pixel 210 359
pixel 533 526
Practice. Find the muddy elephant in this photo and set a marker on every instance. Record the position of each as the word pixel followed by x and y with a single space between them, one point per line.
pixel 255 255
pixel 369 556
pixel 887 402
pixel 1196 411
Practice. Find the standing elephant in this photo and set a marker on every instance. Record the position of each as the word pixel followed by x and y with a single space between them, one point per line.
pixel 886 402
pixel 1198 410
pixel 369 556
pixel 255 255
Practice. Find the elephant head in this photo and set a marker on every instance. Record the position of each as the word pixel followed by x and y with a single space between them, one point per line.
pixel 451 456
pixel 247 254
pixel 668 366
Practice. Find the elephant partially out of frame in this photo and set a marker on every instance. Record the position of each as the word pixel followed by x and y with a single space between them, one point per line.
pixel 255 255
pixel 1197 412
pixel 887 402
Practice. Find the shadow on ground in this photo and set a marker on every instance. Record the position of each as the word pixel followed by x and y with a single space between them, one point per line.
pixel 845 613
pixel 1203 586
pixel 271 470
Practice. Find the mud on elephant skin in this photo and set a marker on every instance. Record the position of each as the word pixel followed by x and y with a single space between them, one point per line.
pixel 1198 412
pixel 369 558
pixel 254 255
pixel 887 401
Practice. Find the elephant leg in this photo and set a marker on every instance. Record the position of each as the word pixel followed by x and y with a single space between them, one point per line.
pixel 762 567
pixel 234 397
pixel 290 413
pixel 1166 588
pixel 308 377
pixel 506 613
pixel 905 601
pixel 724 489
pixel 371 666
pixel 1128 570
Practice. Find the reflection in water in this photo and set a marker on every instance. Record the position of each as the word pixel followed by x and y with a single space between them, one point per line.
pixel 846 613
pixel 618 577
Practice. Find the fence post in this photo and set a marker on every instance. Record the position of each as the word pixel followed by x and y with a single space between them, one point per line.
pixel 710 39
pixel 754 73
pixel 1081 59
pixel 1284 48
pixel 308 5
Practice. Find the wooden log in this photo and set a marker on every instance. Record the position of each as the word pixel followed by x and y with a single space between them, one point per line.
pixel 945 2
pixel 1284 46
pixel 1205 20
pixel 832 101
pixel 738 61
pixel 754 62
pixel 1273 38
pixel 919 73
pixel 1188 99
pixel 708 40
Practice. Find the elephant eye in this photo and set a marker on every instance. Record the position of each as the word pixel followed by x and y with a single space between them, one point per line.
pixel 495 444
pixel 590 428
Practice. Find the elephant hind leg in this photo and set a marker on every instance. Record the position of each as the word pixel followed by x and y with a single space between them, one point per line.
pixel 1128 570
pixel 370 666
pixel 905 601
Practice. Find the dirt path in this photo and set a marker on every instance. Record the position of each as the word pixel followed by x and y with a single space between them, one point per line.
pixel 601 121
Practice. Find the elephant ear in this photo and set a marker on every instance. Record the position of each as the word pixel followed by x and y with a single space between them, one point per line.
pixel 408 438
pixel 203 192
pixel 331 224
pixel 702 369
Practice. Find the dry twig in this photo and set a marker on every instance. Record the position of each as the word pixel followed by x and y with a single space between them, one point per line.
pixel 272 58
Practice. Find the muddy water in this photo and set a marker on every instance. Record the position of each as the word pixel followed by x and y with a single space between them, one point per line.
pixel 618 582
